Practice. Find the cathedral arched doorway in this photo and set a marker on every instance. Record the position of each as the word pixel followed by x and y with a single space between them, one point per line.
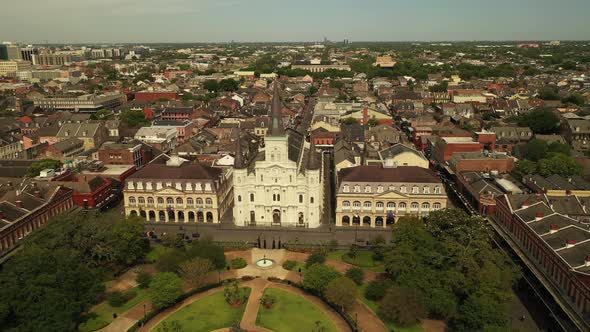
pixel 379 221
pixel 276 217
pixel 346 221
pixel 390 219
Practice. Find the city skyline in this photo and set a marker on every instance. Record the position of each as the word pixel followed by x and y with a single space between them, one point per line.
pixel 182 21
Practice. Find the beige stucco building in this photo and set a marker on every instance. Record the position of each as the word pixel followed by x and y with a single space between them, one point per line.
pixel 178 192
pixel 376 196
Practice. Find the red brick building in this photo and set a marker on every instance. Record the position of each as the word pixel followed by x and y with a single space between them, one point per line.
pixel 25 210
pixel 125 154
pixel 178 114
pixel 445 147
pixel 92 192
pixel 556 245
pixel 151 96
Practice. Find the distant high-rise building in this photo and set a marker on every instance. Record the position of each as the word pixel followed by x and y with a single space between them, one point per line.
pixel 3 52
pixel 27 53
pixel 52 59
pixel 13 52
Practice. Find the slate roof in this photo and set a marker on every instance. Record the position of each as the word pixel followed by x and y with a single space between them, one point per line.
pixel 406 174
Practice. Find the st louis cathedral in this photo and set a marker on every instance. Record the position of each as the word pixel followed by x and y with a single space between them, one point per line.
pixel 282 184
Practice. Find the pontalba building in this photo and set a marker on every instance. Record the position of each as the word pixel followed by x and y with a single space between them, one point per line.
pixel 376 196
pixel 178 192
pixel 281 184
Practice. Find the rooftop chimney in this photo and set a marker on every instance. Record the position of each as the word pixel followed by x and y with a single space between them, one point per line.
pixel 37 194
pixel 553 228
pixel 525 204
pixel 1 215
pixel 539 216
pixel 570 243
pixel 19 203
pixel 587 262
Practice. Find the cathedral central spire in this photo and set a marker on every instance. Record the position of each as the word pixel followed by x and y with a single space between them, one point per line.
pixel 276 116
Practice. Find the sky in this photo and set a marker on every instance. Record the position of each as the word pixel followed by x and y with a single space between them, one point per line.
pixel 137 21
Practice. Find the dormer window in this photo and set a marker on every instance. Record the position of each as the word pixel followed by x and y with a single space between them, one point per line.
pixel 367 189
pixel 415 189
pixel 403 189
pixel 346 188
pixel 437 190
pixel 357 189
pixel 379 189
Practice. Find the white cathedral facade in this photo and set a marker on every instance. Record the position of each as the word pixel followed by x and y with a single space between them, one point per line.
pixel 282 184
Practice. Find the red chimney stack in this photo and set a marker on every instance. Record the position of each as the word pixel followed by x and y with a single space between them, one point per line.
pixel 19 204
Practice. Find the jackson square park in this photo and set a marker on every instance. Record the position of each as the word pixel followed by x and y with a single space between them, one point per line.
pixel 93 271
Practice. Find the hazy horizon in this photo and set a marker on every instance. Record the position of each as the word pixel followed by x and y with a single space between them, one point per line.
pixel 208 21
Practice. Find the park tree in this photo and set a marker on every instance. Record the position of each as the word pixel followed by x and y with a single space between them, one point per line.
pixel 481 312
pixel 128 241
pixel 524 167
pixel 205 248
pixel 541 121
pixel 559 164
pixel 534 150
pixel 355 274
pixel 42 164
pixel 315 258
pixel 165 288
pixel 134 119
pixel 549 93
pixel 47 290
pixel 341 292
pixel 195 271
pixel 170 260
pixel 317 277
pixel 312 90
pixel 143 279
pixel 211 85
pixel 402 305
pixel 229 85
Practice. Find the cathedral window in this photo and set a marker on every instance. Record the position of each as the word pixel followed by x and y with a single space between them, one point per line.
pixel 300 198
pixel 239 198
pixel 251 197
pixel 311 200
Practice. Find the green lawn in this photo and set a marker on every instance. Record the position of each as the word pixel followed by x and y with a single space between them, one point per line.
pixel 104 312
pixel 364 259
pixel 292 313
pixel 155 251
pixel 207 314
pixel 375 307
